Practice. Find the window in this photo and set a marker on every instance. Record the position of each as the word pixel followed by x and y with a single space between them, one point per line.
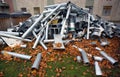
pixel 36 10
pixel 106 10
pixel 23 9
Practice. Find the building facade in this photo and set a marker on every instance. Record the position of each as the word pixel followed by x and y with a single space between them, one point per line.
pixel 107 9
pixel 37 6
pixel 32 6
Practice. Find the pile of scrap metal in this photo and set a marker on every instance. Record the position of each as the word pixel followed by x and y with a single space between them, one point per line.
pixel 57 24
pixel 60 24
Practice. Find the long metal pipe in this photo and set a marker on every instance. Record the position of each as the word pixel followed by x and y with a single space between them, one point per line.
pixel 68 12
pixel 46 37
pixel 88 27
pixel 51 13
pixel 11 33
pixel 37 61
pixel 15 37
pixel 97 69
pixel 65 20
pixel 84 55
pixel 113 61
pixel 27 57
pixel 31 28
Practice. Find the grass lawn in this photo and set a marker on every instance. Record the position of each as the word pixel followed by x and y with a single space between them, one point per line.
pixel 13 68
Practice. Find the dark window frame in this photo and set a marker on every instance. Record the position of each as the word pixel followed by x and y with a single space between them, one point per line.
pixel 36 10
pixel 23 9
pixel 106 10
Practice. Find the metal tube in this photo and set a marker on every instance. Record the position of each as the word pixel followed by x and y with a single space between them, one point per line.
pixel 47 31
pixel 64 21
pixel 47 41
pixel 27 57
pixel 97 58
pixel 97 69
pixel 15 37
pixel 37 61
pixel 78 59
pixel 68 12
pixel 52 40
pixel 84 55
pixel 11 33
pixel 113 61
pixel 43 45
pixel 31 28
pixel 88 28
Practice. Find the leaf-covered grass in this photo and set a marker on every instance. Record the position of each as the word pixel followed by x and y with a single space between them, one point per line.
pixel 66 67
pixel 71 68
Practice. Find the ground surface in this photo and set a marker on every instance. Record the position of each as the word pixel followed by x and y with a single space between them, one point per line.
pixel 56 63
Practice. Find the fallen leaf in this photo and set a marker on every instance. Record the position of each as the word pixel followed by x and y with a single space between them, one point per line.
pixel 58 75
pixel 20 75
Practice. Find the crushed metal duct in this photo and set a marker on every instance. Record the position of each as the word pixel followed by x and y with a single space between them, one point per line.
pixel 97 69
pixel 113 61
pixel 37 61
pixel 78 59
pixel 104 42
pixel 27 57
pixel 84 55
pixel 97 58
pixel 15 37
pixel 12 42
pixel 1 42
